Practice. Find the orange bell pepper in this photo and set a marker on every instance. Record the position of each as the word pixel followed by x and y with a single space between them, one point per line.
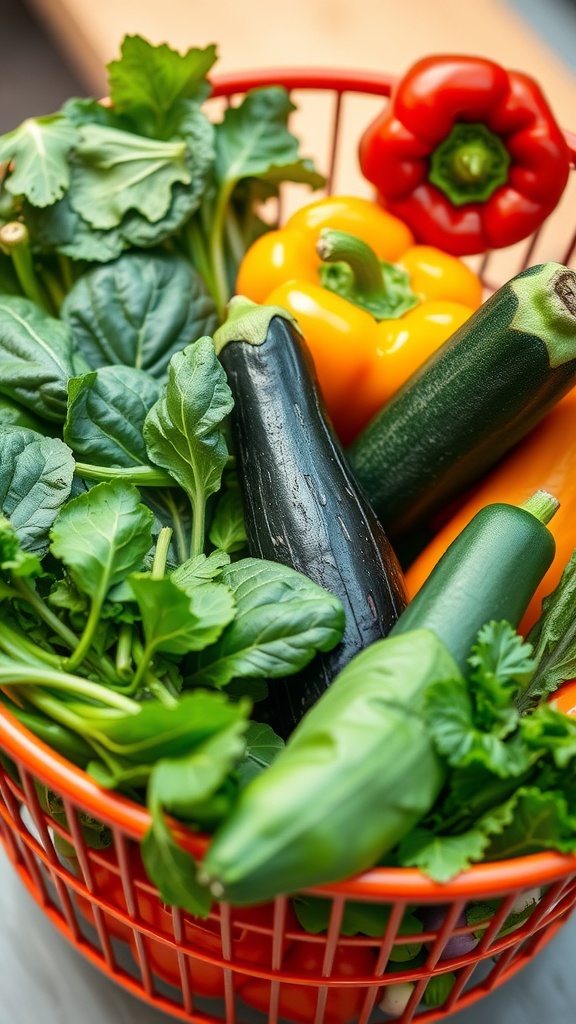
pixel 370 325
pixel 546 459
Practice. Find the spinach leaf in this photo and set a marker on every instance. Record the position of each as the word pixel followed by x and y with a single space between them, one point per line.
pixel 37 153
pixel 61 229
pixel 101 536
pixel 36 358
pixel 148 83
pixel 228 529
pixel 14 559
pixel 117 171
pixel 200 569
pixel 157 731
pixel 262 747
pixel 35 481
pixel 12 414
pixel 106 413
pixel 173 870
pixel 139 311
pixel 282 620
pixel 177 621
pixel 183 431
pixel 553 638
pixel 253 141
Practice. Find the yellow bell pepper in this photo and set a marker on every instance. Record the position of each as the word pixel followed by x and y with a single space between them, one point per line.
pixel 371 304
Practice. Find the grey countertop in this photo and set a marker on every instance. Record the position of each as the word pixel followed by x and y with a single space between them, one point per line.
pixel 44 981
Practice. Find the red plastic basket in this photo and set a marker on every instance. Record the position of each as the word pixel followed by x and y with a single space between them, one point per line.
pixel 238 960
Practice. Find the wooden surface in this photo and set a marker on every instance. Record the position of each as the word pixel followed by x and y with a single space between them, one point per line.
pixel 371 34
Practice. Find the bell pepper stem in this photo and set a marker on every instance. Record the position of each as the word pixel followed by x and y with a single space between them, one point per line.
pixel 341 247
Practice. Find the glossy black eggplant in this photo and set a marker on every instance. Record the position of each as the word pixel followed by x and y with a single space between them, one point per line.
pixel 302 504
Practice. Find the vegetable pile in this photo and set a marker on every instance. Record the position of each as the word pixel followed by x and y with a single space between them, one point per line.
pixel 200 604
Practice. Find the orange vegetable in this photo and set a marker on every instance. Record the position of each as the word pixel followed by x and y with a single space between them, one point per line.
pixel 370 329
pixel 546 459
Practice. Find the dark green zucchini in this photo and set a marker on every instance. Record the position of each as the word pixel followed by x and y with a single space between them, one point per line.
pixel 471 401
pixel 489 572
pixel 302 505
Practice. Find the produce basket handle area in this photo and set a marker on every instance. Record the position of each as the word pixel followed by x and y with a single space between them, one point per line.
pixel 76 847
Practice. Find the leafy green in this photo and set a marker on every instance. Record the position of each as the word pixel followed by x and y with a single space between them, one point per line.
pixel 553 638
pixel 149 83
pixel 184 429
pixel 262 748
pixel 228 529
pixel 282 620
pixel 38 153
pixel 253 141
pixel 36 358
pixel 138 311
pixel 118 171
pixel 106 413
pixel 35 481
pixel 176 620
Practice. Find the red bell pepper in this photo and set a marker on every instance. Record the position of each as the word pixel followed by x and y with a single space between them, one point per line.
pixel 467 154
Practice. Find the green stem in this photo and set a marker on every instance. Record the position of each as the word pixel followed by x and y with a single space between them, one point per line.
pixel 103 665
pixel 15 241
pixel 54 290
pixel 221 290
pixel 198 529
pixel 157 689
pixel 342 247
pixel 17 646
pixel 17 675
pixel 542 505
pixel 92 622
pixel 356 273
pixel 234 237
pixel 197 254
pixel 142 668
pixel 179 532
pixel 161 553
pixel 58 627
pixel 124 651
pixel 66 272
pixel 142 476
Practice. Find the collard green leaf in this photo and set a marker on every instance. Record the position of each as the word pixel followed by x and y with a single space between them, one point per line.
pixel 159 732
pixel 61 229
pixel 35 481
pixel 148 83
pixel 102 536
pixel 12 414
pixel 106 413
pixel 441 857
pixel 36 358
pixel 198 570
pixel 117 171
pixel 13 558
pixel 38 152
pixel 181 785
pixel 228 528
pixel 253 139
pixel 262 747
pixel 282 620
pixel 138 311
pixel 553 638
pixel 177 621
pixel 173 871
pixel 183 431
pixel 536 822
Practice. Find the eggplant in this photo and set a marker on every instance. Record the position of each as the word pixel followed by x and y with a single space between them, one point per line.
pixel 302 505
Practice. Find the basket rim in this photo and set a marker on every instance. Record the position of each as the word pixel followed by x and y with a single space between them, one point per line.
pixel 340 80
pixel 124 816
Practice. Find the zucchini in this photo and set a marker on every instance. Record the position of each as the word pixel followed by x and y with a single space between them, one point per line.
pixel 471 401
pixel 489 572
pixel 302 505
